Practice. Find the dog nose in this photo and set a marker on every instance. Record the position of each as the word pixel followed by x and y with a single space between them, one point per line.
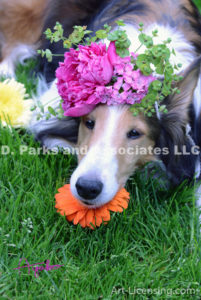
pixel 88 189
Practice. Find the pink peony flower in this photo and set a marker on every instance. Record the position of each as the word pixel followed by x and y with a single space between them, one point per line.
pixel 84 79
pixel 79 75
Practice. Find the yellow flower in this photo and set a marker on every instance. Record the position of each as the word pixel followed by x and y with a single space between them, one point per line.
pixel 14 109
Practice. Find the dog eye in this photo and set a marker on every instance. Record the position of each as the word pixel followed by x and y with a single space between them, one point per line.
pixel 90 124
pixel 133 134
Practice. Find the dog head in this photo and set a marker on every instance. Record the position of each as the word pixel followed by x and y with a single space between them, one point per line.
pixel 112 136
pixel 113 143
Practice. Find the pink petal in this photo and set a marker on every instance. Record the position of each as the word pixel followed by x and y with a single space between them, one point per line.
pixel 79 110
pixel 112 55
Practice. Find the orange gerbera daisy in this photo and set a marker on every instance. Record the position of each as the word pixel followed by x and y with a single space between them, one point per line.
pixel 68 205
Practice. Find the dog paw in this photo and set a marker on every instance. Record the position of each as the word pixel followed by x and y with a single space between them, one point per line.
pixel 7 69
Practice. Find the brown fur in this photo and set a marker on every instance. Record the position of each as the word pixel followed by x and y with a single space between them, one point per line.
pixel 130 161
pixel 21 21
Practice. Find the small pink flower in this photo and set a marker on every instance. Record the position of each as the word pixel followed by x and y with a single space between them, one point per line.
pixel 126 87
pixel 118 83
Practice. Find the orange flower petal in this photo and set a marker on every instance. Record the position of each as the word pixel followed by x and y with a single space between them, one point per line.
pixel 60 197
pixel 79 215
pixel 97 220
pixel 67 204
pixel 103 212
pixel 70 218
pixel 70 210
pixel 115 208
pixel 89 217
pixel 64 188
pixel 82 222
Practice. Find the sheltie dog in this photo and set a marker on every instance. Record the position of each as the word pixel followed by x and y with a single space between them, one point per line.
pixel 103 170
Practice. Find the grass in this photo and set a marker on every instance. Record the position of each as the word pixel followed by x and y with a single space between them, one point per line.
pixel 198 4
pixel 155 245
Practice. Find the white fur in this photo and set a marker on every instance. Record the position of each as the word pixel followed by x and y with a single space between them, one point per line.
pixel 197 167
pixel 51 95
pixel 47 96
pixel 53 143
pixel 101 162
pixel 18 55
pixel 48 141
pixel 197 97
pixel 197 164
pixel 185 52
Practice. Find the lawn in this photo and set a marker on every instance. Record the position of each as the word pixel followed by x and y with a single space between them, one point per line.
pixel 154 244
pixel 150 251
pixel 198 3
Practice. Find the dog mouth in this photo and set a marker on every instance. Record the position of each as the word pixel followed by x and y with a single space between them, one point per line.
pixel 87 203
pixel 92 189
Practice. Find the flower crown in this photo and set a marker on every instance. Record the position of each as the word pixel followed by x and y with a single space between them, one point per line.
pixel 93 73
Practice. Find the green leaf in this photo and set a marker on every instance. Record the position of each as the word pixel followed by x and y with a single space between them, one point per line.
pixel 162 108
pixel 120 23
pixel 48 54
pixel 146 40
pixel 48 33
pixel 52 111
pixel 77 35
pixel 41 107
pixel 33 108
pixel 155 32
pixel 67 44
pixel 173 52
pixel 48 116
pixel 93 39
pixel 160 69
pixel 122 52
pixel 87 32
pixel 38 117
pixel 113 36
pixel 156 84
pixel 101 34
pixel 59 28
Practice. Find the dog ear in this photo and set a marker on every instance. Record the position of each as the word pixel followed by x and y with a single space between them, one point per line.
pixel 57 133
pixel 179 104
pixel 173 127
